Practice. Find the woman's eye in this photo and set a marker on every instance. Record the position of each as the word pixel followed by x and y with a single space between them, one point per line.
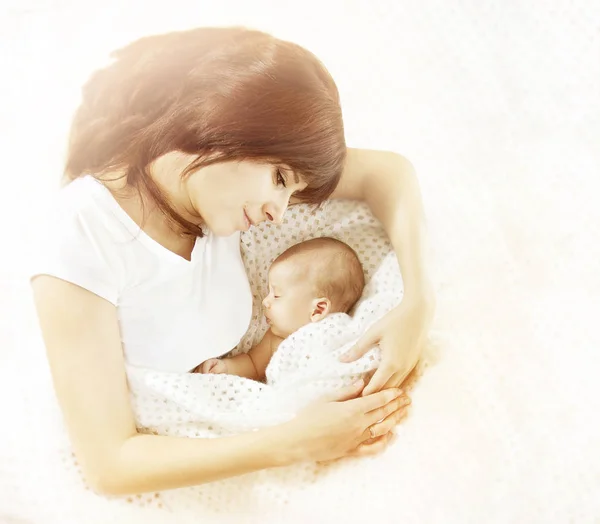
pixel 275 296
pixel 280 178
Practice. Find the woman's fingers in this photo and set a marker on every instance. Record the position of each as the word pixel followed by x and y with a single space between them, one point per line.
pixel 367 342
pixel 380 429
pixel 376 400
pixel 394 381
pixel 379 379
pixel 376 445
pixel 346 393
pixel 371 447
pixel 388 409
pixel 369 375
pixel 382 434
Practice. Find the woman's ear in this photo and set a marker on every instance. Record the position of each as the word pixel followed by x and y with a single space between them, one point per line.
pixel 320 309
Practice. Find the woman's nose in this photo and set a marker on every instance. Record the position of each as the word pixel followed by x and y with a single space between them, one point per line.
pixel 274 211
pixel 265 303
pixel 274 216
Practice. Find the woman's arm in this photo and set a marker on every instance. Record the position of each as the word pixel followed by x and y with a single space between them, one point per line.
pixel 387 183
pixel 81 333
pixel 82 338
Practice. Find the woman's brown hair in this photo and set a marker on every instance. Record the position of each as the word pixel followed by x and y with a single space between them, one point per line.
pixel 217 93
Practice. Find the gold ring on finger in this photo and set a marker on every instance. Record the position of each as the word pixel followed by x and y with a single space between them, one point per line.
pixel 371 432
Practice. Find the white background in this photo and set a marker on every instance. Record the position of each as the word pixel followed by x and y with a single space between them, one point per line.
pixel 497 104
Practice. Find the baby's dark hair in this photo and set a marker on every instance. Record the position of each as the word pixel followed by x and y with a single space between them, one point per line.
pixel 336 270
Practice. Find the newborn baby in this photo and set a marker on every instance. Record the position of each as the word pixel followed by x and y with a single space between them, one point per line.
pixel 307 282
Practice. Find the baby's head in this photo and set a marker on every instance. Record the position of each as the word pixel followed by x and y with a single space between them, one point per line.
pixel 309 281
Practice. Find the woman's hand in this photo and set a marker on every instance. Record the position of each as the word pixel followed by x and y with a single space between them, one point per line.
pixel 401 335
pixel 387 182
pixel 339 427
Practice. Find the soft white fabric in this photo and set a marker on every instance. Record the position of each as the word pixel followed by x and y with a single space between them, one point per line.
pixel 173 313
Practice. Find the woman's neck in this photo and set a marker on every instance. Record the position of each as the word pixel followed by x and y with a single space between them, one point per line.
pixel 144 211
pixel 166 172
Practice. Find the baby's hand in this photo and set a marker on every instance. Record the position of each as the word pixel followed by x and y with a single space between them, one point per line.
pixel 213 365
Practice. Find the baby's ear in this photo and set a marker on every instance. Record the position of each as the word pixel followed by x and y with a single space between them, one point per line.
pixel 320 309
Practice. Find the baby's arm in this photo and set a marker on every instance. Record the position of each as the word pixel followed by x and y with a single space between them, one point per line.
pixel 260 355
pixel 250 365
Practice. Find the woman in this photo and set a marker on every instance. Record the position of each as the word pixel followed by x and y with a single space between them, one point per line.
pixel 185 140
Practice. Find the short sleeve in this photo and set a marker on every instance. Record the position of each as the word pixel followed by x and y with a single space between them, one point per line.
pixel 72 247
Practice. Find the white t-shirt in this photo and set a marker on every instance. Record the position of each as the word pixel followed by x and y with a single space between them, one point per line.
pixel 173 313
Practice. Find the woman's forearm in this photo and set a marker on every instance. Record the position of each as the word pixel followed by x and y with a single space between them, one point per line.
pixel 152 463
pixel 395 199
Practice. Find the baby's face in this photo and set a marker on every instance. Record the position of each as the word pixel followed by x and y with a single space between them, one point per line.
pixel 289 304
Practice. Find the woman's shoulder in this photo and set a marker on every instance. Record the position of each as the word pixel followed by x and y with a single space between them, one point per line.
pixel 76 237
pixel 82 195
pixel 83 208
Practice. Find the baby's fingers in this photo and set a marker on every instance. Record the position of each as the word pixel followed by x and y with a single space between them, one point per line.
pixel 206 367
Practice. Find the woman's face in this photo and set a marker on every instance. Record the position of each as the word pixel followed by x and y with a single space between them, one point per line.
pixel 232 196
